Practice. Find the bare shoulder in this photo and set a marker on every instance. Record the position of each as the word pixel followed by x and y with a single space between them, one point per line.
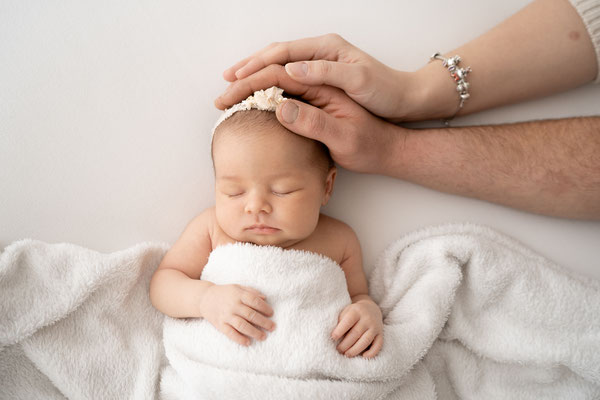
pixel 330 225
pixel 190 252
pixel 202 224
pixel 340 239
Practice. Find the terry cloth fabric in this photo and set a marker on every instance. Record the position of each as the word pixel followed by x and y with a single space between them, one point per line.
pixel 469 313
pixel 78 324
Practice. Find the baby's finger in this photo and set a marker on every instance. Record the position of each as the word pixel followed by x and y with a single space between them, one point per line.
pixel 375 347
pixel 351 339
pixel 256 292
pixel 257 303
pixel 234 335
pixel 344 325
pixel 256 318
pixel 361 344
pixel 246 328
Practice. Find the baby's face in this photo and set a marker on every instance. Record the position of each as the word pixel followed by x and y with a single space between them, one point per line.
pixel 268 189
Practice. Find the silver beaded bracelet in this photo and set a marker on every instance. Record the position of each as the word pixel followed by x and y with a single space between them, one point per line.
pixel 460 77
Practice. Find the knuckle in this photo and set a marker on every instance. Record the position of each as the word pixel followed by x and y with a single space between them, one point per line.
pixel 256 301
pixel 334 38
pixel 274 70
pixel 323 67
pixel 317 122
pixel 238 324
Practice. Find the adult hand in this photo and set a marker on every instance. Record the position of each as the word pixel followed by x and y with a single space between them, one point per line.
pixel 357 140
pixel 328 60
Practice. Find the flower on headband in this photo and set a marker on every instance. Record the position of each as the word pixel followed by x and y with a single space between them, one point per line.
pixel 265 100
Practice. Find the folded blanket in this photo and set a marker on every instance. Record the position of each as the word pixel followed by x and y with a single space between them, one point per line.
pixel 78 324
pixel 469 313
pixel 307 292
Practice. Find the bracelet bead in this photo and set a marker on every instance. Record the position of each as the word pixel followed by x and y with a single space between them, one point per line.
pixel 459 75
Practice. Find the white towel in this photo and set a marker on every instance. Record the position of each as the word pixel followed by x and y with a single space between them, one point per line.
pixel 469 313
pixel 307 292
pixel 78 324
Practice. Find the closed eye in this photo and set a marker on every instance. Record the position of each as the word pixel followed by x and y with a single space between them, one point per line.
pixel 284 192
pixel 233 195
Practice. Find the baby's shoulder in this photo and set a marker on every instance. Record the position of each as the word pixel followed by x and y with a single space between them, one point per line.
pixel 335 238
pixel 202 225
pixel 205 219
pixel 334 227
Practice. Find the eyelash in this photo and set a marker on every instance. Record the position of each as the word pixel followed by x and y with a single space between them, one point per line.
pixel 232 196
pixel 283 193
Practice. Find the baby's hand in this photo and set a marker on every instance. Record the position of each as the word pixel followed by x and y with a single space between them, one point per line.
pixel 361 325
pixel 238 312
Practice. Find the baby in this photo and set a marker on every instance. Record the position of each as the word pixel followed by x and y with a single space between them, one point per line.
pixel 270 185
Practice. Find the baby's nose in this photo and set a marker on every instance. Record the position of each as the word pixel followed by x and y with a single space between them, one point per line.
pixel 257 203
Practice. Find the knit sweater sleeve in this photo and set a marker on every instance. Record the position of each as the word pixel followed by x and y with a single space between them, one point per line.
pixel 589 10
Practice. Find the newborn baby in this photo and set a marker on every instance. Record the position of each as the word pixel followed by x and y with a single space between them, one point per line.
pixel 270 185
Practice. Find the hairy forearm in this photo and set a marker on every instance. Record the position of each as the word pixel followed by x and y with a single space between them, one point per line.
pixel 548 167
pixel 542 49
pixel 175 294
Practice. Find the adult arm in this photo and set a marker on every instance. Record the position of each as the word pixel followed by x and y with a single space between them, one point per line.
pixel 542 49
pixel 548 167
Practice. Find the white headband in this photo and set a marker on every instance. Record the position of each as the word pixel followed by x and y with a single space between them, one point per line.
pixel 266 100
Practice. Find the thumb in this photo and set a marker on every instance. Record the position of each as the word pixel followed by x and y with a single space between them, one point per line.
pixel 308 121
pixel 322 72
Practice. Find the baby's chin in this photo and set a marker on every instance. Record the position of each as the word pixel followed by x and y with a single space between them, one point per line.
pixel 268 240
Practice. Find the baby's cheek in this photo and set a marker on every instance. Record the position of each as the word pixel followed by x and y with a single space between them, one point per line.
pixel 307 218
pixel 227 221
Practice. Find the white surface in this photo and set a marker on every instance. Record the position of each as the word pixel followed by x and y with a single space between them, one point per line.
pixel 106 110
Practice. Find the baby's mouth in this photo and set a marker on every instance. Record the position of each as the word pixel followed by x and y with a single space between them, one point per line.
pixel 262 229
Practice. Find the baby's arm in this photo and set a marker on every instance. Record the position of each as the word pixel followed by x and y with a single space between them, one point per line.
pixel 177 291
pixel 360 324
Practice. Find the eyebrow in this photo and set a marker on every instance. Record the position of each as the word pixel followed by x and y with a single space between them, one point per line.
pixel 228 177
pixel 273 176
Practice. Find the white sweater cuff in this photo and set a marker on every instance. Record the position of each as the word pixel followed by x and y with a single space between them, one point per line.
pixel 589 10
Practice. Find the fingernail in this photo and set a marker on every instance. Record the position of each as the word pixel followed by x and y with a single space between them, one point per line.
pixel 289 111
pixel 298 69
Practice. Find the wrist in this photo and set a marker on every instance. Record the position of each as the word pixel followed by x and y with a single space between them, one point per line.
pixel 201 290
pixel 361 297
pixel 393 154
pixel 410 103
pixel 435 95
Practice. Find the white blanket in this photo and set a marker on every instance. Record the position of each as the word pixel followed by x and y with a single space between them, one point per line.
pixel 468 312
pixel 78 324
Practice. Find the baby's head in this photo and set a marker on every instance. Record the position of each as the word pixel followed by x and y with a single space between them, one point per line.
pixel 270 182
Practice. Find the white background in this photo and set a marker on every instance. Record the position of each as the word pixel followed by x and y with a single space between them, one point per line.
pixel 106 108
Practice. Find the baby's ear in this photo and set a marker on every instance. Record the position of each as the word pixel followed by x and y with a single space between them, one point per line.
pixel 329 181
